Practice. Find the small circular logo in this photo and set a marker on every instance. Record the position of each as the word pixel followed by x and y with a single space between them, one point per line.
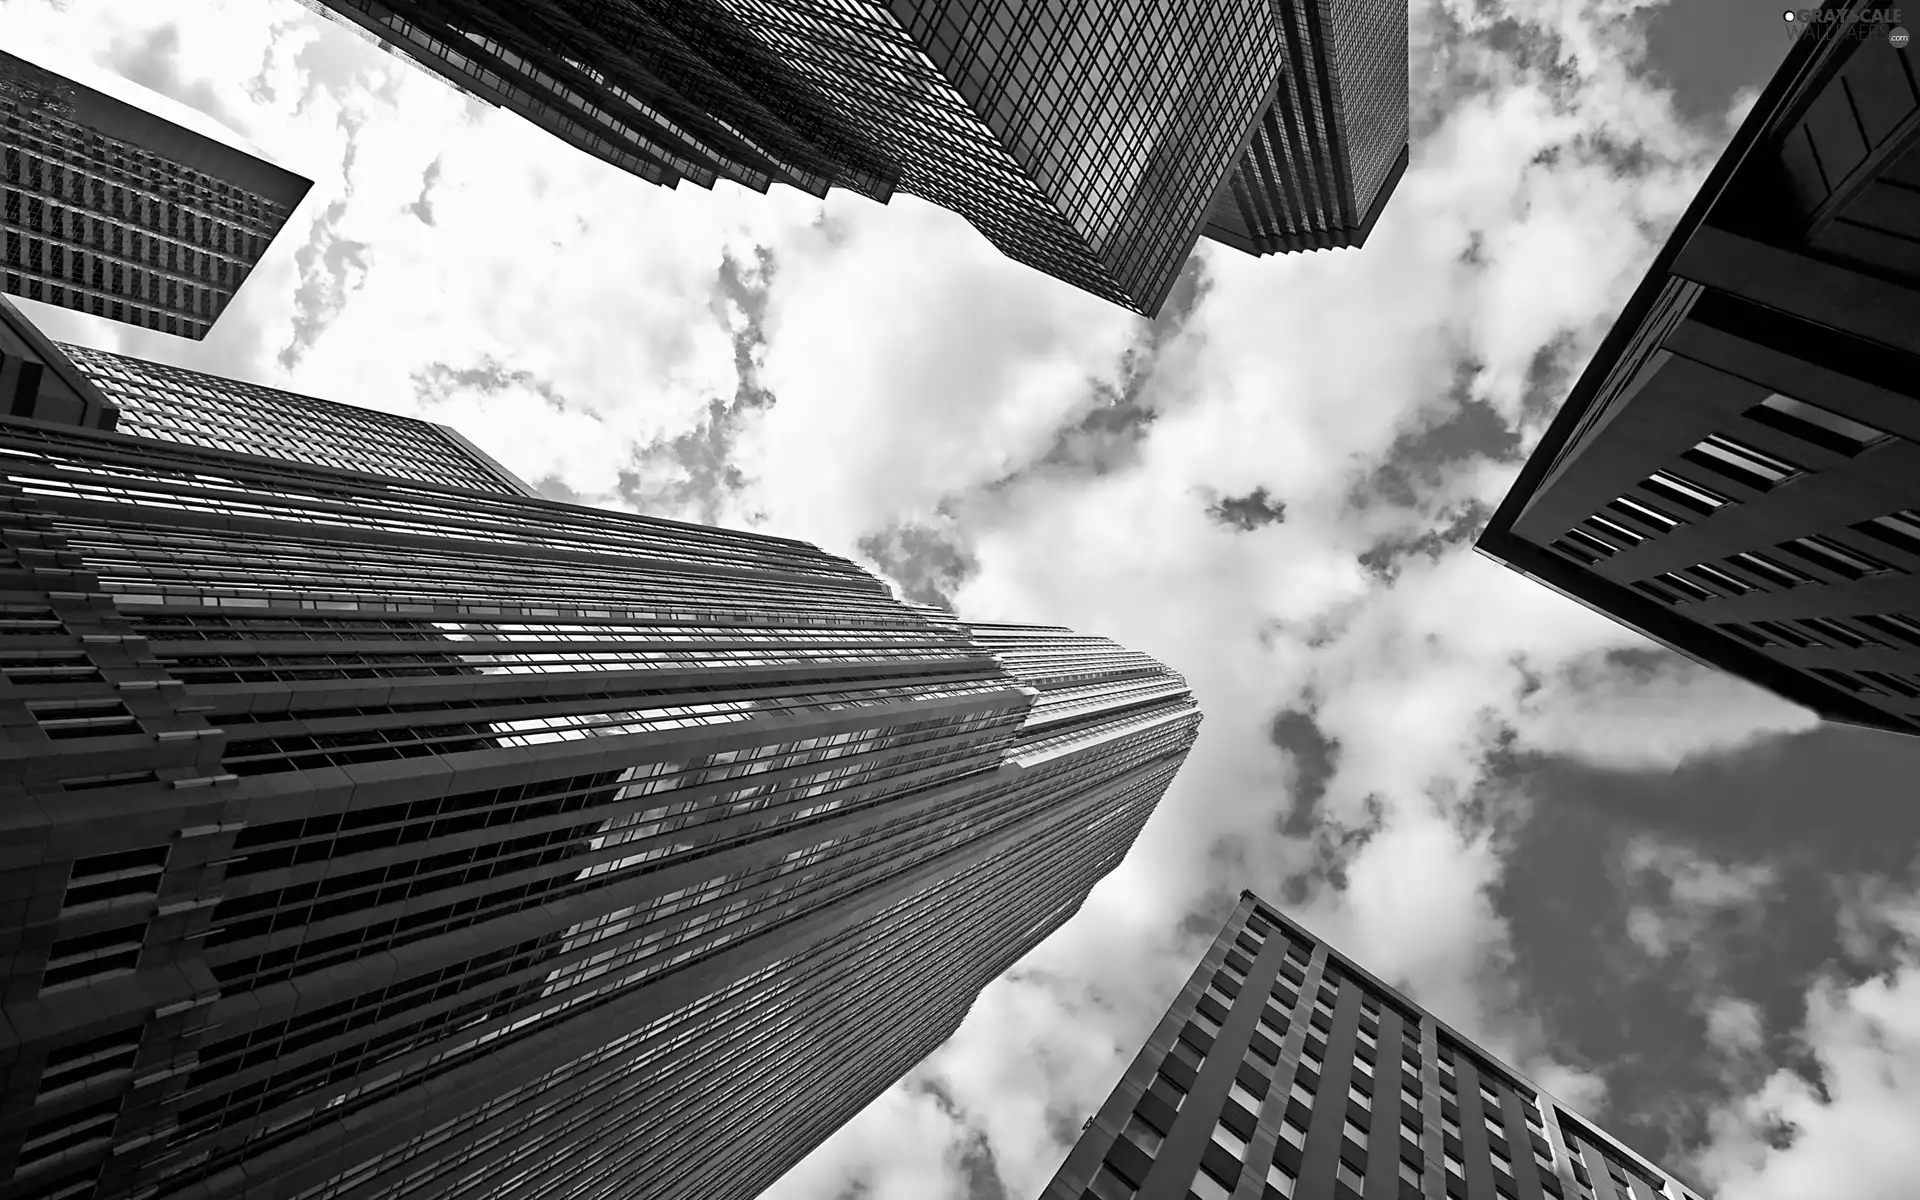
pixel 1790 16
pixel 1897 37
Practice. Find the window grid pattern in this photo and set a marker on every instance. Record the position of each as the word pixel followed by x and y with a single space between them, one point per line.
pixel 1321 1081
pixel 784 745
pixel 1761 596
pixel 101 225
pixel 170 404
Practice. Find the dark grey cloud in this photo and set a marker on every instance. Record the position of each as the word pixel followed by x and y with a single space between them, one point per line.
pixel 1249 512
pixel 928 562
pixel 423 207
pixel 1822 807
pixel 1315 759
pixel 331 267
pixel 1708 51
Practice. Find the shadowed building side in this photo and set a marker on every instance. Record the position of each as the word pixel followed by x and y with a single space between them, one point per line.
pixel 1737 473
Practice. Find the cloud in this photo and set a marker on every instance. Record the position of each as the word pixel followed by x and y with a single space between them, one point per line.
pixel 880 381
pixel 1846 1127
pixel 1689 905
pixel 1639 713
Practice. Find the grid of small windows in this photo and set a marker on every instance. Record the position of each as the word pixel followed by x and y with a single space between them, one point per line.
pixel 968 817
pixel 1064 824
pixel 1130 145
pixel 189 479
pixel 170 404
pixel 1670 498
pixel 104 226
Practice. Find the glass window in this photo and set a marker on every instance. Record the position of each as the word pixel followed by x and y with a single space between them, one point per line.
pixel 1295 1136
pixel 1814 424
pixel 1280 1179
pixel 1354 1133
pixel 1230 1141
pixel 1143 1135
pixel 1206 1187
pixel 1352 1178
pixel 1244 1098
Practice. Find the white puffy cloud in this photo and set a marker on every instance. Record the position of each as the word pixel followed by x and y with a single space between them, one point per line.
pixel 1850 1133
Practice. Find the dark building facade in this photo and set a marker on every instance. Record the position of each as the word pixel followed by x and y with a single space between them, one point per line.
pixel 1284 1071
pixel 1093 147
pixel 1737 473
pixel 114 211
pixel 370 836
pixel 169 404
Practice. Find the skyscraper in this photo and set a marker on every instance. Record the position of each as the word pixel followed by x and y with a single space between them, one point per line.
pixel 374 836
pixel 1095 148
pixel 114 211
pixel 1737 473
pixel 1284 1070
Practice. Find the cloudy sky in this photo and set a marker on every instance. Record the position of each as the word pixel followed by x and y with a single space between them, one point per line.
pixel 1672 899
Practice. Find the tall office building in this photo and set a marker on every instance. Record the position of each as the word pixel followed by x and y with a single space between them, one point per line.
pixel 1284 1071
pixel 375 829
pixel 1737 473
pixel 1095 148
pixel 114 211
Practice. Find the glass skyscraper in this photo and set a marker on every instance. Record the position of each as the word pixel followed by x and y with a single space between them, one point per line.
pixel 1285 1071
pixel 398 833
pixel 1093 145
pixel 114 211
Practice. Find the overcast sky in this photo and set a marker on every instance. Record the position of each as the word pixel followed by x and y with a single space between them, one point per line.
pixel 1668 897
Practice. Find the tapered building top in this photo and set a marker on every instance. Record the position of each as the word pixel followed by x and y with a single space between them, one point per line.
pixel 378 834
pixel 114 211
pixel 1286 1071
pixel 1737 473
pixel 1095 146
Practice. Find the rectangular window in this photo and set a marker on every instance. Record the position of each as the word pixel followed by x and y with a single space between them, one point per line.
pixel 1843 561
pixel 117 876
pixel 1591 544
pixel 1650 588
pixel 1494 1127
pixel 1720 581
pixel 1108 1186
pixel 1583 557
pixel 1359 1097
pixel 1841 679
pixel 1815 425
pixel 1901 529
pixel 1614 531
pixel 1735 460
pixel 1245 1098
pixel 1895 625
pixel 1300 1092
pixel 1354 1133
pixel 1837 633
pixel 1659 519
pixel 1686 587
pixel 1352 1178
pixel 1206 1022
pixel 1770 570
pixel 1143 1135
pixel 1899 685
pixel 1294 1135
pixel 1230 1141
pixel 1678 489
pixel 1206 1187
pixel 1280 1180
pixel 1454 1165
pixel 1409 1174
